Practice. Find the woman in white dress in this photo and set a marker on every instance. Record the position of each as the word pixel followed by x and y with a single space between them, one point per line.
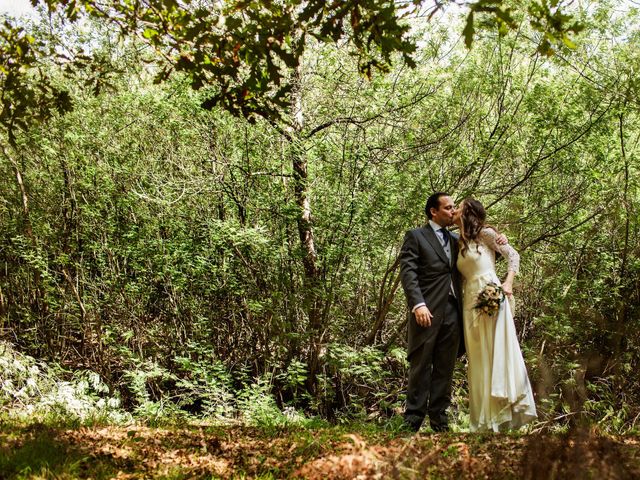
pixel 500 395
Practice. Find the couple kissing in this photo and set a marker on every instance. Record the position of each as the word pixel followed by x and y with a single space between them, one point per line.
pixel 459 304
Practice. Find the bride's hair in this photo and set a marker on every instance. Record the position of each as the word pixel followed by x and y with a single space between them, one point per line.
pixel 472 222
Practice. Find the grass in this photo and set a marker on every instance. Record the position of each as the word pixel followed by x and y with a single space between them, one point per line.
pixel 36 451
pixel 60 451
pixel 314 450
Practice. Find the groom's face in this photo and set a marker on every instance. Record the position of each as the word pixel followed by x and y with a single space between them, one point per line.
pixel 443 216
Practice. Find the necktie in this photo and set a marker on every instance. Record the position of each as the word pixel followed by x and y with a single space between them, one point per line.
pixel 445 236
pixel 445 241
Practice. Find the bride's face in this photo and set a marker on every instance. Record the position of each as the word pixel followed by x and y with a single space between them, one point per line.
pixel 457 214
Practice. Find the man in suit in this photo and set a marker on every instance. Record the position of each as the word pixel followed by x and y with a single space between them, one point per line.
pixel 431 283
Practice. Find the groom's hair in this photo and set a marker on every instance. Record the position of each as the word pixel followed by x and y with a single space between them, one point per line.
pixel 433 202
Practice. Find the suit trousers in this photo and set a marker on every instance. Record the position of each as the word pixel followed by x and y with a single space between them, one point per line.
pixel 431 371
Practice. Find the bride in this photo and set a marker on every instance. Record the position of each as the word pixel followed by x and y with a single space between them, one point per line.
pixel 500 395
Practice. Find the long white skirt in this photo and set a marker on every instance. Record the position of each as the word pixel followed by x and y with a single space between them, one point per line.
pixel 500 394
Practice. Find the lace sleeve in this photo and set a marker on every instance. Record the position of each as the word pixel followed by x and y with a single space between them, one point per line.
pixel 488 237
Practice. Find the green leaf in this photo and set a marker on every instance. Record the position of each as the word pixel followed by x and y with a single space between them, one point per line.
pixel 567 41
pixel 150 33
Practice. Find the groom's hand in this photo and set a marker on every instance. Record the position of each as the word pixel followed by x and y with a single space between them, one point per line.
pixel 501 239
pixel 423 316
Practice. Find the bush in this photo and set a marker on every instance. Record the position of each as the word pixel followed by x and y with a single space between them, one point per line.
pixel 33 390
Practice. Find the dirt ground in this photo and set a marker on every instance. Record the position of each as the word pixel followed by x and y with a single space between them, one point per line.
pixel 39 451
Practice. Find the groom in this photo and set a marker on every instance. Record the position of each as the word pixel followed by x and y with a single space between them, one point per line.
pixel 431 283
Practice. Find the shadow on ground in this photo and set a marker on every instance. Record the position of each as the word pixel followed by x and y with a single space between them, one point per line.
pixel 43 452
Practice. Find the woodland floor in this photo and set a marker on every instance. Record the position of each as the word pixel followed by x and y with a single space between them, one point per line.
pixel 39 452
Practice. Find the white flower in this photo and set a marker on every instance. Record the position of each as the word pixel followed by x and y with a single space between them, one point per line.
pixel 32 384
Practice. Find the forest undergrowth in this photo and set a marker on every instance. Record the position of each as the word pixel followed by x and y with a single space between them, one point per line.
pixel 57 428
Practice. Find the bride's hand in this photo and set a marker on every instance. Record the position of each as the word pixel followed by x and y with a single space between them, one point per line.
pixel 507 287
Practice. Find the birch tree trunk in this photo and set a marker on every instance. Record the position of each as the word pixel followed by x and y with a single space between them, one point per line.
pixel 312 281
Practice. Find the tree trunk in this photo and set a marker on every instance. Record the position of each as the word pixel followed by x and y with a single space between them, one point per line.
pixel 312 280
pixel 38 302
pixel 388 288
pixel 28 230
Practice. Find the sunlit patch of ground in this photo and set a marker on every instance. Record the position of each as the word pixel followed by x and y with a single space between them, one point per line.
pixel 39 451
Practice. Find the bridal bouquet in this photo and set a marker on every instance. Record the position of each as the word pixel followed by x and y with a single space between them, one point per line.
pixel 490 298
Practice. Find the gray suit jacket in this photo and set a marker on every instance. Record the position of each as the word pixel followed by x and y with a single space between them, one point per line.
pixel 426 275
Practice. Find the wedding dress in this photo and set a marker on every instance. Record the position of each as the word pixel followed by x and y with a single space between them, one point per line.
pixel 500 395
